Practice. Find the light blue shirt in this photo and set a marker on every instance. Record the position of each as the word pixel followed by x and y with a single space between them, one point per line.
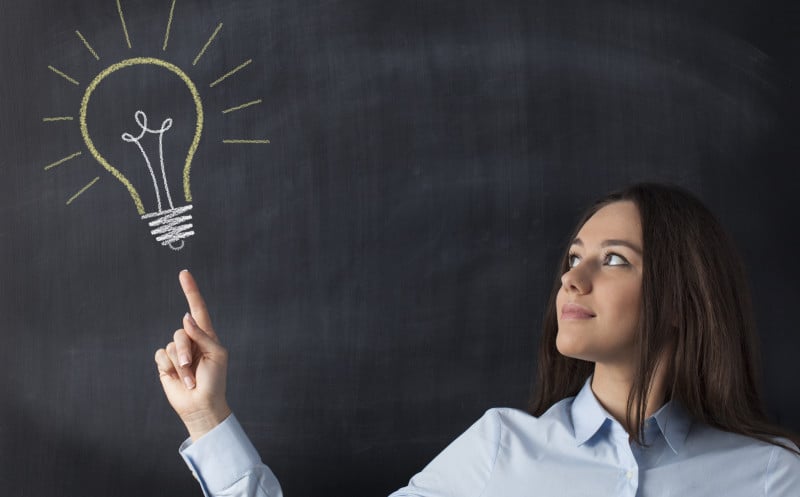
pixel 574 449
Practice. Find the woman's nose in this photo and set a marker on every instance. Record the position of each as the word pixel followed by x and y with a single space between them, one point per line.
pixel 575 280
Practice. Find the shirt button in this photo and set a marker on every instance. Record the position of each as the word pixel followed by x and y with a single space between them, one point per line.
pixel 629 474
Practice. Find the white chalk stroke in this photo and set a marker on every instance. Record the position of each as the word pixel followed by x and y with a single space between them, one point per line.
pixel 171 224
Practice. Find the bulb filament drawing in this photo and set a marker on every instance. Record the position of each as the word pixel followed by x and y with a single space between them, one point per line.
pixel 170 225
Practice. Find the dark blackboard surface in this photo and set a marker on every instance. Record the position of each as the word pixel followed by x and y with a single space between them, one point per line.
pixel 378 270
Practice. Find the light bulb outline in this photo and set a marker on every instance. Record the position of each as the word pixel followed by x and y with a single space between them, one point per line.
pixel 169 226
pixel 99 157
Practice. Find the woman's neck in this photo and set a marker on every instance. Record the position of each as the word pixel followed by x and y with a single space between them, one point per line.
pixel 611 386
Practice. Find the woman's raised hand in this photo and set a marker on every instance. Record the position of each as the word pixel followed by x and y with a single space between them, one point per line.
pixel 193 367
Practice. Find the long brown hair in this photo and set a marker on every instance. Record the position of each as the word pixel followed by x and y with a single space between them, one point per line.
pixel 695 298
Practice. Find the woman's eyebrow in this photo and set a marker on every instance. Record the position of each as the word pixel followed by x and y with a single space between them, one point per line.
pixel 609 243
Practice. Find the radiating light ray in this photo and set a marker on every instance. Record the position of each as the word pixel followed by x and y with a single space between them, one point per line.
pixel 57 118
pixel 88 47
pixel 236 141
pixel 169 25
pixel 231 72
pixel 203 50
pixel 239 107
pixel 71 80
pixel 61 161
pixel 124 27
pixel 79 192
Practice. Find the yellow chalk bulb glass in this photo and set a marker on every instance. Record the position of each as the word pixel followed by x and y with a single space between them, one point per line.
pixel 170 225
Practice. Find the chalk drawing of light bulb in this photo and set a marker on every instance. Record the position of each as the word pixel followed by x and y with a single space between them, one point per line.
pixel 170 224
pixel 157 183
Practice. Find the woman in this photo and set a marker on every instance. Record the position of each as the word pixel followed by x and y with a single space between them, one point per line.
pixel 647 379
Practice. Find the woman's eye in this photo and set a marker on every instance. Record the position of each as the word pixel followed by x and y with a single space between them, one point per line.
pixel 615 260
pixel 573 260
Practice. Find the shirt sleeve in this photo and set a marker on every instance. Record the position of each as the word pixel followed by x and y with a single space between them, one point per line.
pixel 783 473
pixel 464 467
pixel 226 464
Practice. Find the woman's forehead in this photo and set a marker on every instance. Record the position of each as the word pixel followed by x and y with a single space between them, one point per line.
pixel 615 221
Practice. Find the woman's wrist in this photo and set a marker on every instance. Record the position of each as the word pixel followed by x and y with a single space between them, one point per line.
pixel 200 423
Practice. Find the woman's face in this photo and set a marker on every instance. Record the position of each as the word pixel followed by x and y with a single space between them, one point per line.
pixel 598 302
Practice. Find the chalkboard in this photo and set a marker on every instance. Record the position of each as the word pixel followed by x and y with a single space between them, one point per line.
pixel 379 194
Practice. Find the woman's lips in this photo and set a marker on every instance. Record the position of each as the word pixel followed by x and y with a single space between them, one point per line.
pixel 575 311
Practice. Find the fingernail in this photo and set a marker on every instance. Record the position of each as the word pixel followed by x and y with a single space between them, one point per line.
pixel 189 382
pixel 185 360
pixel 184 270
pixel 191 319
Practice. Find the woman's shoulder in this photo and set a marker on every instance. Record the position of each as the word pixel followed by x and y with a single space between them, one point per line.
pixel 775 469
pixel 558 412
pixel 517 423
pixel 710 437
pixel 704 440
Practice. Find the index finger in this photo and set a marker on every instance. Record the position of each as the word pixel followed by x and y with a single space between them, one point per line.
pixel 197 306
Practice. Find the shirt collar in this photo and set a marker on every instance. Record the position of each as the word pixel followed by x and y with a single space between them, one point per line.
pixel 588 417
pixel 674 422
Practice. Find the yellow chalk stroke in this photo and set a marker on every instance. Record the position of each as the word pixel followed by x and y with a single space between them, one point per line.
pixel 71 80
pixel 239 107
pixel 124 27
pixel 195 141
pixel 89 185
pixel 245 141
pixel 89 47
pixel 231 72
pixel 57 118
pixel 203 50
pixel 61 161
pixel 169 25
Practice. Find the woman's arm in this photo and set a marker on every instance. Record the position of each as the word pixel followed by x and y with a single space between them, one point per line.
pixel 463 468
pixel 192 369
pixel 783 473
pixel 225 463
